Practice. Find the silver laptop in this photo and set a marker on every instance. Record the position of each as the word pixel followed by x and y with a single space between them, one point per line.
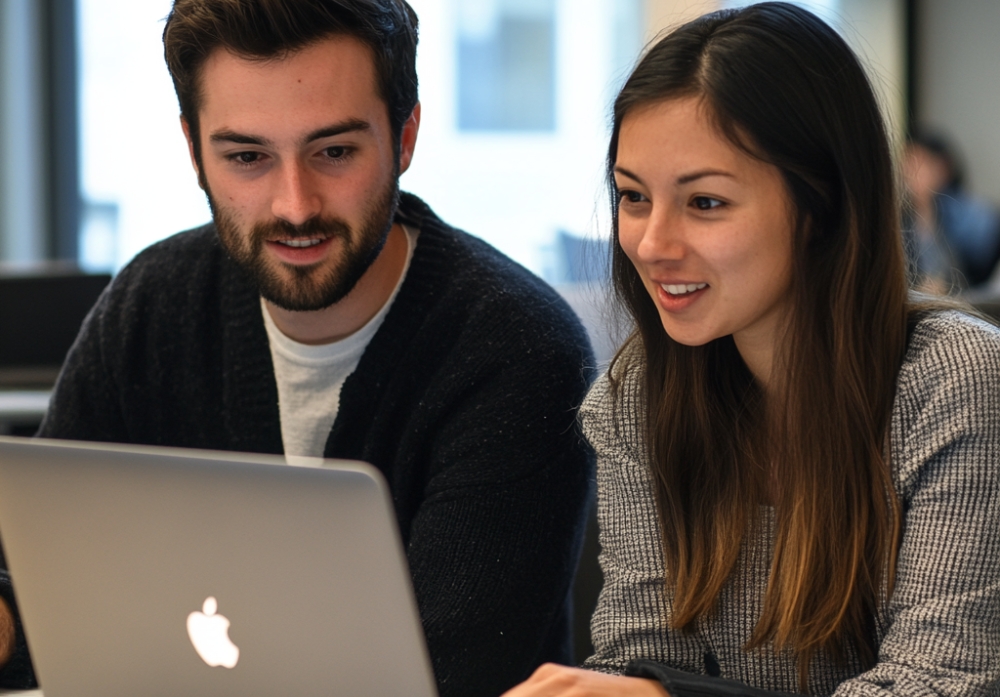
pixel 155 571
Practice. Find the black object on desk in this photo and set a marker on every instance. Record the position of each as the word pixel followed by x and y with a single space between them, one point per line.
pixel 40 316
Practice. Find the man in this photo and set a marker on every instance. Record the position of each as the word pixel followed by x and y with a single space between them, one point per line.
pixel 325 314
pixel 952 237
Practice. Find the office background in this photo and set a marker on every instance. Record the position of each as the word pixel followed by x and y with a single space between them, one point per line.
pixel 515 97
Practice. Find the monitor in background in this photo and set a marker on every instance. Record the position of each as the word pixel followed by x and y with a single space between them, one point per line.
pixel 40 316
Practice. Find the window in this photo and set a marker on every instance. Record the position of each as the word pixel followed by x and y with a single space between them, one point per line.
pixel 506 65
pixel 136 179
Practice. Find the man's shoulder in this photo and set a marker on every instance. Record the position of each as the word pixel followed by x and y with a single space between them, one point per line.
pixel 198 245
pixel 176 265
pixel 461 290
pixel 465 265
pixel 177 280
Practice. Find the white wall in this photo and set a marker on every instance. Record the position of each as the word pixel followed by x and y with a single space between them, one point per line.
pixel 664 15
pixel 875 29
pixel 958 65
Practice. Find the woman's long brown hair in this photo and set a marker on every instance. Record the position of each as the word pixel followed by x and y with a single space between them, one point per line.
pixel 784 87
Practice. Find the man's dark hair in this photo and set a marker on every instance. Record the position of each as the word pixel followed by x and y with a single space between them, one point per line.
pixel 265 29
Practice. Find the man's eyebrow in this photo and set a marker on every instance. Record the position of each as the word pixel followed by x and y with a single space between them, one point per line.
pixel 349 126
pixel 234 137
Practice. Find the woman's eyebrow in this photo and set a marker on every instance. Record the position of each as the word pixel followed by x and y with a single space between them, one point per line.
pixel 693 176
pixel 625 172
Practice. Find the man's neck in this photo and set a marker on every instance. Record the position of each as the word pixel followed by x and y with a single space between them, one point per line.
pixel 355 310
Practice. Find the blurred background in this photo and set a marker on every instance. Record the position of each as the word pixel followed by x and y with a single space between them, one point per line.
pixel 516 96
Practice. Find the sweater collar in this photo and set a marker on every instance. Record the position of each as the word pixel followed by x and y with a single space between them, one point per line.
pixel 250 393
pixel 251 415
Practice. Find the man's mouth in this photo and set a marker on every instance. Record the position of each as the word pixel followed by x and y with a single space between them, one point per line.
pixel 300 243
pixel 682 289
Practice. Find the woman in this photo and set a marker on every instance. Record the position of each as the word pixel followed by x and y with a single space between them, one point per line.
pixel 797 465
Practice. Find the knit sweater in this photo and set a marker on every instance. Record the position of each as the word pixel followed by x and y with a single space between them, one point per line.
pixel 939 633
pixel 465 400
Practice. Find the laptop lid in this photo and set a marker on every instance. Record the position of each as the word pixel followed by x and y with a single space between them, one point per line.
pixel 130 564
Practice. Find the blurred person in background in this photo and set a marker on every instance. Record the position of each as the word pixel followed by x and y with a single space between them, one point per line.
pixel 952 237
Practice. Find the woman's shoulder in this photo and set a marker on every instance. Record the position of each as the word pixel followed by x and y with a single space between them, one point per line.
pixel 947 406
pixel 613 406
pixel 947 344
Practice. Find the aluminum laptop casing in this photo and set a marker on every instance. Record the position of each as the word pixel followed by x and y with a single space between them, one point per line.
pixel 110 549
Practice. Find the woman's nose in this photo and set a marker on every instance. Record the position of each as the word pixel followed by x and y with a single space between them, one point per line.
pixel 663 238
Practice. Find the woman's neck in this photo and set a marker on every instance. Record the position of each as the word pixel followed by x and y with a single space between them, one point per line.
pixel 758 353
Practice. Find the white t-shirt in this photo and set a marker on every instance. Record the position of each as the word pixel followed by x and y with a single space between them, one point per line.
pixel 310 377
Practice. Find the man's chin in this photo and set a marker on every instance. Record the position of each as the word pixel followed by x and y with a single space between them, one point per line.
pixel 295 304
pixel 302 289
pixel 301 300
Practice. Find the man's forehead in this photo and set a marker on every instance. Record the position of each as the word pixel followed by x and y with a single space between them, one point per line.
pixel 334 74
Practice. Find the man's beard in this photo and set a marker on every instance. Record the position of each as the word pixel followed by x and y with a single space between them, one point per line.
pixel 316 286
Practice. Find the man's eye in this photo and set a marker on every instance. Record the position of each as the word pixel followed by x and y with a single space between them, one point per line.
pixel 336 152
pixel 246 158
pixel 706 203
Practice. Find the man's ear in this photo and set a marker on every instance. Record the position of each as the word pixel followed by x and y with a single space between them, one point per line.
pixel 408 139
pixel 186 127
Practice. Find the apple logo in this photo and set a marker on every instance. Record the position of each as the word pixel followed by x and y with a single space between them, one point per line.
pixel 209 633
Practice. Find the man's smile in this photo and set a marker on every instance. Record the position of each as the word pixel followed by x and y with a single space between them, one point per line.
pixel 302 251
pixel 302 242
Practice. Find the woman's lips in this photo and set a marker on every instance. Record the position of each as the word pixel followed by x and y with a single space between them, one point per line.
pixel 674 297
pixel 678 289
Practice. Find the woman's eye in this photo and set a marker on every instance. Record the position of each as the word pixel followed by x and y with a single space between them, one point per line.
pixel 706 203
pixel 630 196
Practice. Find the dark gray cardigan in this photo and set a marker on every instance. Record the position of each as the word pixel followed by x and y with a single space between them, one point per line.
pixel 465 399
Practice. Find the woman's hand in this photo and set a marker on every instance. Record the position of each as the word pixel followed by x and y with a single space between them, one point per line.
pixel 552 680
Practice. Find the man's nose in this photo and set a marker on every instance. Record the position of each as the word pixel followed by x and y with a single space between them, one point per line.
pixel 297 198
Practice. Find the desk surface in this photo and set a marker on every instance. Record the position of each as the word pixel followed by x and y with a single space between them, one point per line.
pixel 22 693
